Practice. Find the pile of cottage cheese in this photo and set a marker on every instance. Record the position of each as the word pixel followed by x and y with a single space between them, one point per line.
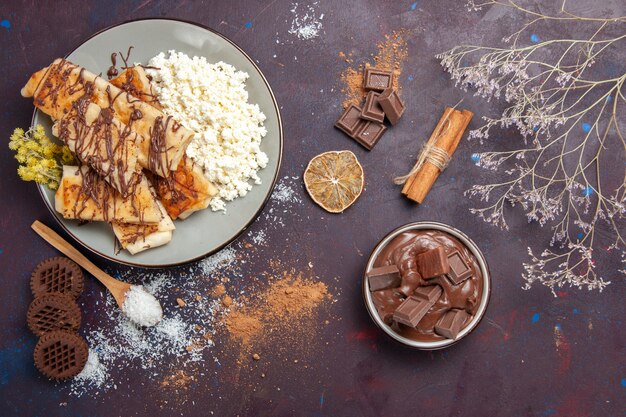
pixel 211 100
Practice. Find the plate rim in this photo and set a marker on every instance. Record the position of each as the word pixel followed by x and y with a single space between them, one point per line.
pixel 265 200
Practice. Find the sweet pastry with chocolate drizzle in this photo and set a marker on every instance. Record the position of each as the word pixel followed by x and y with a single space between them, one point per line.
pixel 116 129
pixel 136 82
pixel 56 88
pixel 185 190
pixel 101 141
pixel 84 195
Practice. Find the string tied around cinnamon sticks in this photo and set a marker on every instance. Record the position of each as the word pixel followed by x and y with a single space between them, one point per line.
pixel 429 153
pixel 435 155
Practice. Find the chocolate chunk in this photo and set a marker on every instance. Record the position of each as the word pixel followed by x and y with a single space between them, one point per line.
pixel 61 354
pixel 391 105
pixel 383 277
pixel 58 274
pixel 371 109
pixel 433 263
pixel 451 323
pixel 350 121
pixel 369 134
pixel 411 311
pixel 430 293
pixel 459 270
pixel 377 80
pixel 54 311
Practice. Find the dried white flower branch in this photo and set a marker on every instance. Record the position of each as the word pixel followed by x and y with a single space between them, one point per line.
pixel 569 118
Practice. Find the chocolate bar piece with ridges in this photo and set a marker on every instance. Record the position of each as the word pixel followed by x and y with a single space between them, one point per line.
pixel 377 80
pixel 350 121
pixel 371 109
pixel 430 293
pixel 433 263
pixel 383 277
pixel 451 323
pixel 370 134
pixel 391 104
pixel 459 270
pixel 411 311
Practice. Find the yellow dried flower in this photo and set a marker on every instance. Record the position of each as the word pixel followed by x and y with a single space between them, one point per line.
pixel 41 160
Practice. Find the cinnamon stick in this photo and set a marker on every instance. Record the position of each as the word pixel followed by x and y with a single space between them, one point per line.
pixel 446 136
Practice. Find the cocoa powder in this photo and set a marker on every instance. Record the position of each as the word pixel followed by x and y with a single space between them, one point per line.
pixel 218 290
pixel 392 52
pixel 287 298
pixel 286 301
pixel 243 325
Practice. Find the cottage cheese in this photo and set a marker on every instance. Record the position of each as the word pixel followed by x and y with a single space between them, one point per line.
pixel 211 100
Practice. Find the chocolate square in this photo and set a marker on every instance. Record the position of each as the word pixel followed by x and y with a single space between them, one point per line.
pixel 377 80
pixel 459 269
pixel 433 263
pixel 383 277
pixel 369 134
pixel 392 105
pixel 371 109
pixel 451 323
pixel 350 121
pixel 411 311
pixel 430 293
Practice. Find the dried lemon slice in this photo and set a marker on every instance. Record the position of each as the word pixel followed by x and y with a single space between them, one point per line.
pixel 334 180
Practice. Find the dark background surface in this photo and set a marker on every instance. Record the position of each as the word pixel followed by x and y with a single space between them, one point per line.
pixel 532 355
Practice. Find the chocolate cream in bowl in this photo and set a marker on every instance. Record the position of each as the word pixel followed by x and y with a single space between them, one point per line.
pixel 402 251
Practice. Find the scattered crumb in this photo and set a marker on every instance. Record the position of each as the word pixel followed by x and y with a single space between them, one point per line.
pixel 178 379
pixel 227 301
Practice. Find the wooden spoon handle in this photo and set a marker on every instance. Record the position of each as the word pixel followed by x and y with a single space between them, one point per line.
pixel 62 245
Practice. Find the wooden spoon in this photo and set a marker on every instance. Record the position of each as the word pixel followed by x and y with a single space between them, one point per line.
pixel 118 288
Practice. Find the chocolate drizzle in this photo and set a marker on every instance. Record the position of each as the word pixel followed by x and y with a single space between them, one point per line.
pixel 91 188
pixel 125 59
pixel 135 88
pixel 158 160
pixel 54 80
pixel 136 115
pixel 178 191
pixel 89 138
pixel 112 71
pixel 106 199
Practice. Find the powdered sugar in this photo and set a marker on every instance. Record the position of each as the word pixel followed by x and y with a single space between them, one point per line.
pixel 306 23
pixel 117 343
pixel 259 237
pixel 184 338
pixel 223 258
pixel 141 307
pixel 285 191
pixel 94 372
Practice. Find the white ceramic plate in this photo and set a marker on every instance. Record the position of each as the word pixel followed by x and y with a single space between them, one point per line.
pixel 204 232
